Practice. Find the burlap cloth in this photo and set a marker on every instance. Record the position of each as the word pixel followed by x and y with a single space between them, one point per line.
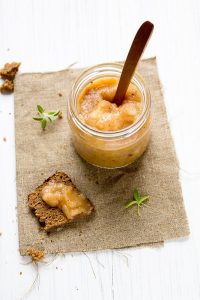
pixel 40 153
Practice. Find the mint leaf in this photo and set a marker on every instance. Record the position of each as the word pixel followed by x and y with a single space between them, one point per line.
pixel 40 108
pixel 56 113
pixel 44 123
pixel 51 113
pixel 37 119
pixel 136 195
pixel 127 205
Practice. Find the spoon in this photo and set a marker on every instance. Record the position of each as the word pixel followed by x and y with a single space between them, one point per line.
pixel 138 45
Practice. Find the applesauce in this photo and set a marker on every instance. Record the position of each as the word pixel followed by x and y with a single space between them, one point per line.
pixel 104 134
pixel 96 108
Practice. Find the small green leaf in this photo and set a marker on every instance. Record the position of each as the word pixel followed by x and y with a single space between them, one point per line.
pixel 136 195
pixel 129 204
pixel 51 113
pixel 37 118
pixel 56 113
pixel 40 108
pixel 44 123
pixel 142 199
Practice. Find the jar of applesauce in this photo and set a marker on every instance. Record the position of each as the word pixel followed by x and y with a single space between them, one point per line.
pixel 104 134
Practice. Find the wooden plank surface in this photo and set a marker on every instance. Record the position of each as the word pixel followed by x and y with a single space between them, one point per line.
pixel 49 35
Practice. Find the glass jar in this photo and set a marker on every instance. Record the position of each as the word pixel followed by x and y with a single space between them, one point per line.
pixel 109 149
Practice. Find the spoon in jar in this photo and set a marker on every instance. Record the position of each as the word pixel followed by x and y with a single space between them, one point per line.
pixel 137 48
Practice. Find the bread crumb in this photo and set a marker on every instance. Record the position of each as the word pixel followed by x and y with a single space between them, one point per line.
pixel 7 87
pixel 60 115
pixel 20 273
pixel 35 254
pixel 60 94
pixel 9 70
pixel 8 73
pixel 4 139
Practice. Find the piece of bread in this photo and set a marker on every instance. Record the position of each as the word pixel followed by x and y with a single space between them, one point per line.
pixel 52 218
pixel 7 87
pixel 9 70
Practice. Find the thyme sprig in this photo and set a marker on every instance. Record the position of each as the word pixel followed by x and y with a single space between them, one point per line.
pixel 137 200
pixel 44 117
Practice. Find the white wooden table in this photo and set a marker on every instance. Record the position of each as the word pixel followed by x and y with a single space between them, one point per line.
pixel 51 34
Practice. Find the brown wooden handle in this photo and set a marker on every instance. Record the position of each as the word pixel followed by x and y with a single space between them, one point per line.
pixel 138 45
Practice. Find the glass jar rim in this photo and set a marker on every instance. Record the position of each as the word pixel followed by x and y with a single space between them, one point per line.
pixel 136 79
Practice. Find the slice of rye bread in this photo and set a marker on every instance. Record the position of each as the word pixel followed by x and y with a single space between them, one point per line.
pixel 52 218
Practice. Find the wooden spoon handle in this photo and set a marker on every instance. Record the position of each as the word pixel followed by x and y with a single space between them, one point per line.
pixel 138 45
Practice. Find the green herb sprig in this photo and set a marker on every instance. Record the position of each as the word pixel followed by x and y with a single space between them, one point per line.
pixel 137 200
pixel 44 117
